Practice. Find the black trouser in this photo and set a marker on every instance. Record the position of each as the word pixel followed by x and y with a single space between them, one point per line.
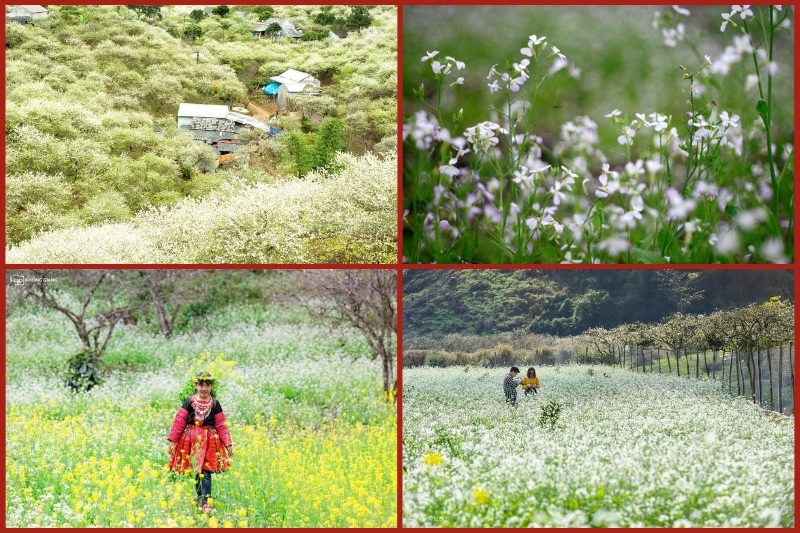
pixel 203 486
pixel 531 390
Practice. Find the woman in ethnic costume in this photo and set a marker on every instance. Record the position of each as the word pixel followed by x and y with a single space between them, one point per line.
pixel 199 438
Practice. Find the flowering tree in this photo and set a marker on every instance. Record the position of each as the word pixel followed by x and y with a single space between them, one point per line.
pixel 602 343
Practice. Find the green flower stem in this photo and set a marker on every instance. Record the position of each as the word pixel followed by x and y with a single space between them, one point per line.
pixel 770 157
pixel 767 118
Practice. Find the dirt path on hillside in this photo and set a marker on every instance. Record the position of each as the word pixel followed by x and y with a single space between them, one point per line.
pixel 262 111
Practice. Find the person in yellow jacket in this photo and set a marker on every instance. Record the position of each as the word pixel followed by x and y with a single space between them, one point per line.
pixel 530 383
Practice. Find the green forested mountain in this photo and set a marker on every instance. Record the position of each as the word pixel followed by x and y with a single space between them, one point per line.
pixel 566 302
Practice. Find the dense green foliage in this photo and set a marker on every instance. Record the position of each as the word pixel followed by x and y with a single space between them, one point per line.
pixel 197 15
pixel 359 18
pixel 313 152
pixel 193 31
pixel 325 17
pixel 221 11
pixel 90 120
pixel 92 95
pixel 566 302
pixel 263 12
pixel 146 11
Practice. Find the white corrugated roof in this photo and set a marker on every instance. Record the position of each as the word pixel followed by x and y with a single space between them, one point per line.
pixel 292 75
pixel 295 87
pixel 250 121
pixel 203 110
pixel 34 9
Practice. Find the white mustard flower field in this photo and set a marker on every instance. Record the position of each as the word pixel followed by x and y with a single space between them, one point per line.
pixel 628 450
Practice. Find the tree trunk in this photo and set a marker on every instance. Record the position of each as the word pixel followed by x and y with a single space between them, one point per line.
pixel 705 363
pixel 791 366
pixel 669 364
pixel 750 381
pixel 780 379
pixel 714 365
pixel 677 361
pixel 166 321
pixel 771 385
pixel 686 356
pixel 758 377
pixel 697 364
pixel 388 374
pixel 651 360
pixel 791 371
pixel 739 379
pixel 751 363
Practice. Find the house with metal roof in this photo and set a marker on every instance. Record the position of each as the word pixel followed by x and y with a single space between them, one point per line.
pixel 216 125
pixel 291 83
pixel 26 14
pixel 287 29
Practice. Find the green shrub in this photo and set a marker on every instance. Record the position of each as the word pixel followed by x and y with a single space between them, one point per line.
pixel 545 356
pixel 264 12
pixel 502 355
pixel 412 358
pixel 193 31
pixel 550 414
pixel 221 11
pixel 440 359
pixel 325 16
pixel 314 35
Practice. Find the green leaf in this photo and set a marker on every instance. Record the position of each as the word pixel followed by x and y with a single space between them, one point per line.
pixel 772 224
pixel 664 236
pixel 763 110
pixel 731 210
pixel 647 256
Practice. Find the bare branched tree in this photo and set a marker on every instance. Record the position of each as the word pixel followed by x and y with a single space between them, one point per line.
pixel 169 291
pixel 365 300
pixel 94 314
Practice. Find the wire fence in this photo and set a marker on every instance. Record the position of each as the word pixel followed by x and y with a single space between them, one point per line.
pixel 764 375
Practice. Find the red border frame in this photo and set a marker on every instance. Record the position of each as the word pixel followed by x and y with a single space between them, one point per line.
pixel 399 267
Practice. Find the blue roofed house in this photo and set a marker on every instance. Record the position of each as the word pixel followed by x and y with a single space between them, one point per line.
pixel 290 84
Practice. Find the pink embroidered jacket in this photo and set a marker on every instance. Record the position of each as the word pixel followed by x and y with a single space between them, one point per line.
pixel 186 416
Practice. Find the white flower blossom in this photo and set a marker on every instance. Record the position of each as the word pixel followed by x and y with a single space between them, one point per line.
pixel 430 55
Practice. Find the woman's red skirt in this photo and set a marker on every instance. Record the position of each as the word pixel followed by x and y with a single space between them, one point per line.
pixel 199 448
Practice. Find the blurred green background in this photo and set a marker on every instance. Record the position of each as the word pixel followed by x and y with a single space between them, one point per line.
pixel 623 60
